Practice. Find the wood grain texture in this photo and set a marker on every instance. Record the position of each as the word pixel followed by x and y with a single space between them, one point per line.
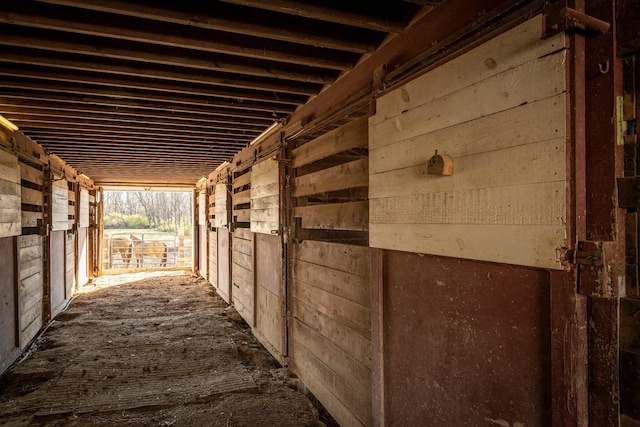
pixel 341 177
pixel 502 120
pixel 335 216
pixel 221 202
pixel 10 198
pixel 84 208
pixel 265 197
pixel 344 138
pixel 60 199
pixel 242 274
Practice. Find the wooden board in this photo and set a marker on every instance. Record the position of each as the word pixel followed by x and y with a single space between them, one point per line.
pixel 60 205
pixel 348 175
pixel 221 207
pixel 213 258
pixel 270 326
pixel 224 265
pixel 242 274
pixel 506 201
pixel 84 208
pixel 10 199
pixel 83 256
pixel 57 271
pixel 70 276
pixel 335 216
pixel 202 208
pixel 9 349
pixel 352 135
pixel 265 197
pixel 203 245
pixel 331 326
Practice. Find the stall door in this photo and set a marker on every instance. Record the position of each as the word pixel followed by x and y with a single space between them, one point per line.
pixel 57 269
pixel 7 303
pixel 224 277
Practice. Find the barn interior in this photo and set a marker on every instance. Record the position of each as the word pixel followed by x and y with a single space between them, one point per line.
pixel 426 209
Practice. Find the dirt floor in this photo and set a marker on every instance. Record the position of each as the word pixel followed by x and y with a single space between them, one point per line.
pixel 135 350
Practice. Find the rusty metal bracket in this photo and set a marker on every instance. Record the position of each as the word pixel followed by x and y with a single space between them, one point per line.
pixel 589 253
pixel 558 18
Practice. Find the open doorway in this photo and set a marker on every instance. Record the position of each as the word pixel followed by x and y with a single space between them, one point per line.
pixel 147 229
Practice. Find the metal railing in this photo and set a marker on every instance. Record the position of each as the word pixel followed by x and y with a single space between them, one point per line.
pixel 143 250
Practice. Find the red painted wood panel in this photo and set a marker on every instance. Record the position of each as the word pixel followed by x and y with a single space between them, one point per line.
pixel 465 342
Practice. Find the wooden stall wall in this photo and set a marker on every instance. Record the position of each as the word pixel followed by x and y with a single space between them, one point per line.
pixel 82 248
pixel 223 236
pixel 203 233
pixel 330 336
pixel 268 275
pixel 70 262
pixel 242 249
pixel 461 336
pixel 31 296
pixel 212 234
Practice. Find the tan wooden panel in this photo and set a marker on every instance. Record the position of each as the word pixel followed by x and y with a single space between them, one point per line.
pixel 10 196
pixel 341 177
pixel 30 268
pixel 544 78
pixel 241 197
pixel 335 216
pixel 331 389
pixel 202 208
pixel 343 284
pixel 543 120
pixel 60 197
pixel 84 208
pixel 31 196
pixel 30 330
pixel 265 191
pixel 346 137
pixel 213 258
pixel 337 333
pixel 264 173
pixel 30 219
pixel 348 258
pixel 269 321
pixel 242 180
pixel 224 275
pixel 509 244
pixel 221 198
pixel 30 174
pixel 517 46
pixel 242 215
pixel 351 314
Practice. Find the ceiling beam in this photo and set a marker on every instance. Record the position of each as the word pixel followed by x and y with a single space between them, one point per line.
pixel 141 52
pixel 138 30
pixel 324 13
pixel 225 20
pixel 150 84
pixel 9 54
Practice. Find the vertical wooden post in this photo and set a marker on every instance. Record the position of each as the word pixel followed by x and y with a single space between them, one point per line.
pixel 16 289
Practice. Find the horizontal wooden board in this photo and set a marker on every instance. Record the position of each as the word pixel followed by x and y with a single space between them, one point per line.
pixel 544 78
pixel 29 174
pixel 30 219
pixel 243 234
pixel 340 335
pixel 514 47
pixel 348 258
pixel 30 268
pixel 510 244
pixel 335 216
pixel 344 402
pixel 343 284
pixel 242 215
pixel 32 197
pixel 352 315
pixel 242 260
pixel 29 331
pixel 241 197
pixel 528 204
pixel 268 263
pixel 344 138
pixel 10 195
pixel 241 180
pixel 341 177
pixel 533 122
pixel 60 197
pixel 269 321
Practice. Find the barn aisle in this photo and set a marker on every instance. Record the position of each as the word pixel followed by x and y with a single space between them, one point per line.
pixel 161 351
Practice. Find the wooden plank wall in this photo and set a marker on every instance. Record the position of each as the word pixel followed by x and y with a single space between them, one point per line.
pixel 502 120
pixel 241 198
pixel 265 197
pixel 10 214
pixel 242 274
pixel 31 293
pixel 330 336
pixel 213 236
pixel 60 204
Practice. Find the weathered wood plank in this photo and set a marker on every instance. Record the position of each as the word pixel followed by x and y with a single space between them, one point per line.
pixel 221 201
pixel 202 208
pixel 346 285
pixel 243 233
pixel 344 138
pixel 266 215
pixel 269 321
pixel 10 195
pixel 241 197
pixel 341 177
pixel 242 215
pixel 330 388
pixel 241 180
pixel 60 197
pixel 30 253
pixel 30 219
pixel 527 164
pixel 29 331
pixel 32 197
pixel 242 260
pixel 512 244
pixel 517 46
pixel 348 258
pixel 335 216
pixel 29 268
pixel 351 314
pixel 340 335
pixel 534 122
pixel 30 174
pixel 84 208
